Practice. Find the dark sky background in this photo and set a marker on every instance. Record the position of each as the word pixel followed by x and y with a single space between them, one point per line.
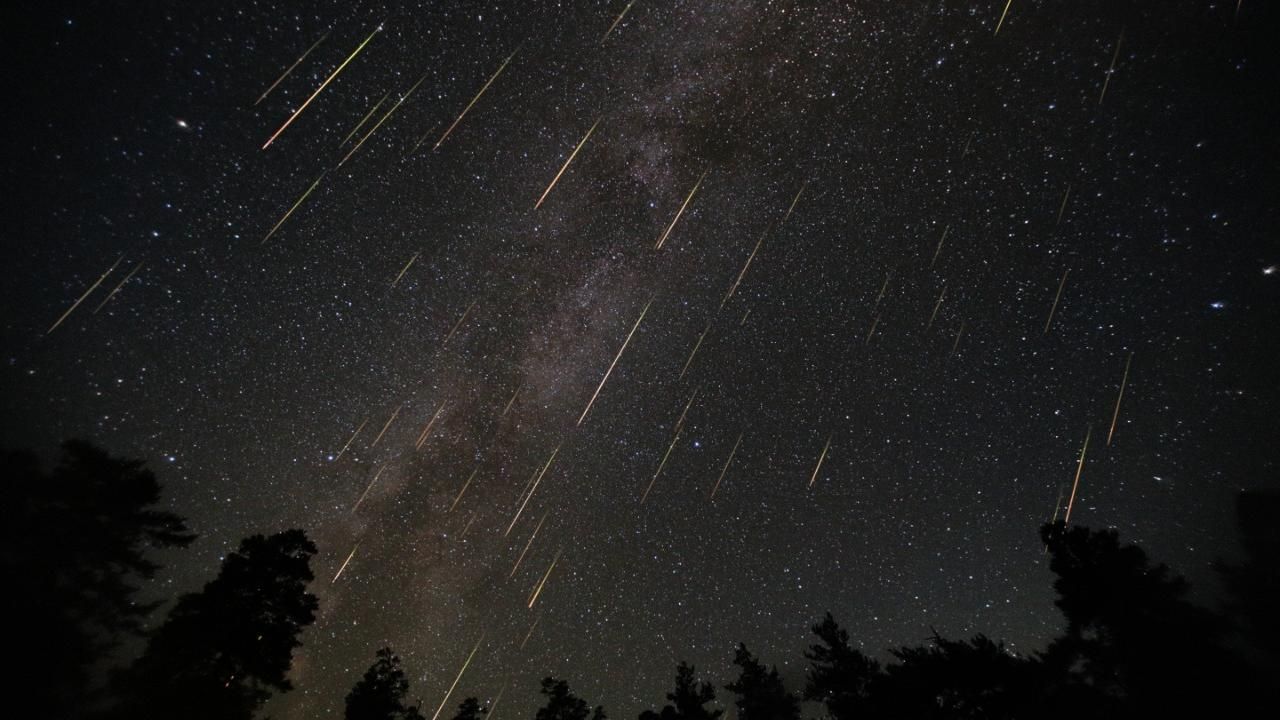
pixel 240 369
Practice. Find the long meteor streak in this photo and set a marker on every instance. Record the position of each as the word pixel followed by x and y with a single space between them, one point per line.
pixel 364 119
pixel 116 289
pixel 295 64
pixel 687 199
pixel 384 118
pixel 473 100
pixel 538 590
pixel 696 345
pixel 384 427
pixel 532 491
pixel 1063 207
pixel 564 167
pixel 937 250
pixel 86 294
pixel 458 324
pixel 1112 68
pixel 813 478
pixel 605 379
pixel 365 494
pixel 661 465
pixel 463 491
pixel 727 463
pixel 353 439
pixel 1006 12
pixel 680 422
pixel 526 547
pixel 794 201
pixel 404 270
pixel 323 85
pixel 619 19
pixel 942 295
pixel 1056 297
pixel 512 401
pixel 743 274
pixel 455 680
pixel 1079 469
pixel 426 431
pixel 1116 415
pixel 301 200
pixel 345 563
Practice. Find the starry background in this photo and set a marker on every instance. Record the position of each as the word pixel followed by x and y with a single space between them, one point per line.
pixel 849 136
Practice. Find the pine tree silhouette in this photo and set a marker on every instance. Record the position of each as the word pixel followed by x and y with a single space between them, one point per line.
pixel 380 693
pixel 761 693
pixel 688 699
pixel 469 709
pixel 840 676
pixel 564 705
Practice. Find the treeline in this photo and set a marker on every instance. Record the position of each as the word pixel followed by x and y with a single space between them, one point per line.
pixel 75 542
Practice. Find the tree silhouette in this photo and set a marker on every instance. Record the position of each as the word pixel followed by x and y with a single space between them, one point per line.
pixel 469 709
pixel 224 649
pixel 74 544
pixel 761 694
pixel 977 678
pixel 688 698
pixel 564 705
pixel 840 676
pixel 380 693
pixel 1253 587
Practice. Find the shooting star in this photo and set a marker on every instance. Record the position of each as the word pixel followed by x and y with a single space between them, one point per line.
pixel 1110 70
pixel 956 344
pixel 467 527
pixel 458 324
pixel 883 289
pixel 530 633
pixel 1079 469
pixel 1006 12
pixel 365 494
pixel 301 200
pixel 295 64
pixel 463 491
pixel 384 118
pixel 624 14
pixel 323 85
pixel 937 250
pixel 426 431
pixel 942 295
pixel 474 99
pixel 353 439
pixel 814 477
pixel 1058 296
pixel 675 220
pixel 493 706
pixel 564 167
pixel 743 321
pixel 345 563
pixel 526 547
pixel 364 119
pixel 455 680
pixel 538 590
pixel 404 270
pixel 622 349
pixel 743 274
pixel 532 491
pixel 384 427
pixel 660 466
pixel 1116 415
pixel 512 401
pixel 86 294
pixel 680 422
pixel 874 323
pixel 795 200
pixel 725 469
pixel 1063 207
pixel 696 345
pixel 116 289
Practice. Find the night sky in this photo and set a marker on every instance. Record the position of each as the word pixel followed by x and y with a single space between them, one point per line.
pixel 955 242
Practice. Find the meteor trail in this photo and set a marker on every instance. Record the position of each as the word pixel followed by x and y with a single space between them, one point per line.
pixel 474 99
pixel 384 427
pixel 364 119
pixel 365 494
pixel 941 240
pixel 660 466
pixel 726 466
pixel 1006 12
pixel 526 547
pixel 512 401
pixel 813 478
pixel 344 564
pixel 1112 68
pixel 680 422
pixel 295 207
pixel 1116 415
pixel 1079 469
pixel 628 7
pixel 663 239
pixel 743 274
pixel 86 294
pixel 564 167
pixel 1056 297
pixel 458 324
pixel 463 491
pixel 538 590
pixel 353 438
pixel 384 118
pixel 941 296
pixel 874 323
pixel 404 270
pixel 323 85
pixel 455 680
pixel 883 288
pixel 493 706
pixel 1063 208
pixel 530 633
pixel 291 67
pixel 426 431
pixel 956 344
pixel 531 492
pixel 605 379
pixel 696 345
pixel 794 201
pixel 116 289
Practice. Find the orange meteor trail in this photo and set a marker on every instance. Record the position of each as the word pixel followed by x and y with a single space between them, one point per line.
pixel 463 491
pixel 813 478
pixel 1116 415
pixel 323 85
pixel 291 67
pixel 743 274
pixel 301 200
pixel 1079 469
pixel 384 118
pixel 532 491
pixel 86 294
pixel 353 439
pixel 526 547
pixel 538 590
pixel 726 466
pixel 344 564
pixel 564 167
pixel 530 633
pixel 660 466
pixel 366 490
pixel 458 324
pixel 794 201
pixel 943 239
pixel 624 13
pixel 384 427
pixel 696 345
pixel 1056 297
pixel 405 270
pixel 455 680
pixel 617 357
pixel 473 100
pixel 116 289
pixel 670 227
pixel 364 119
pixel 426 431
pixel 1006 12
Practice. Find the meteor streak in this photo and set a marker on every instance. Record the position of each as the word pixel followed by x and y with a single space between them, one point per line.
pixel 473 100
pixel 936 306
pixel 463 491
pixel 1063 208
pixel 493 706
pixel 943 239
pixel 874 323
pixel 605 379
pixel 86 294
pixel 384 427
pixel 956 344
pixel 404 270
pixel 532 491
pixel 458 324
pixel 353 439
pixel 365 494
pixel 1116 415
pixel 1006 12
pixel 526 547
pixel 291 67
pixel 883 288
pixel 813 478
pixel 628 7
pixel 344 564
pixel 455 680
pixel 726 466
pixel 116 289
pixel 680 422
pixel 794 201
pixel 696 345
pixel 301 200
pixel 538 590
pixel 663 239
pixel 1056 297
pixel 660 466
pixel 426 431
pixel 564 167
pixel 743 274
pixel 1079 469
pixel 512 401
pixel 364 119
pixel 323 85
pixel 530 633
pixel 384 118
pixel 1112 68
